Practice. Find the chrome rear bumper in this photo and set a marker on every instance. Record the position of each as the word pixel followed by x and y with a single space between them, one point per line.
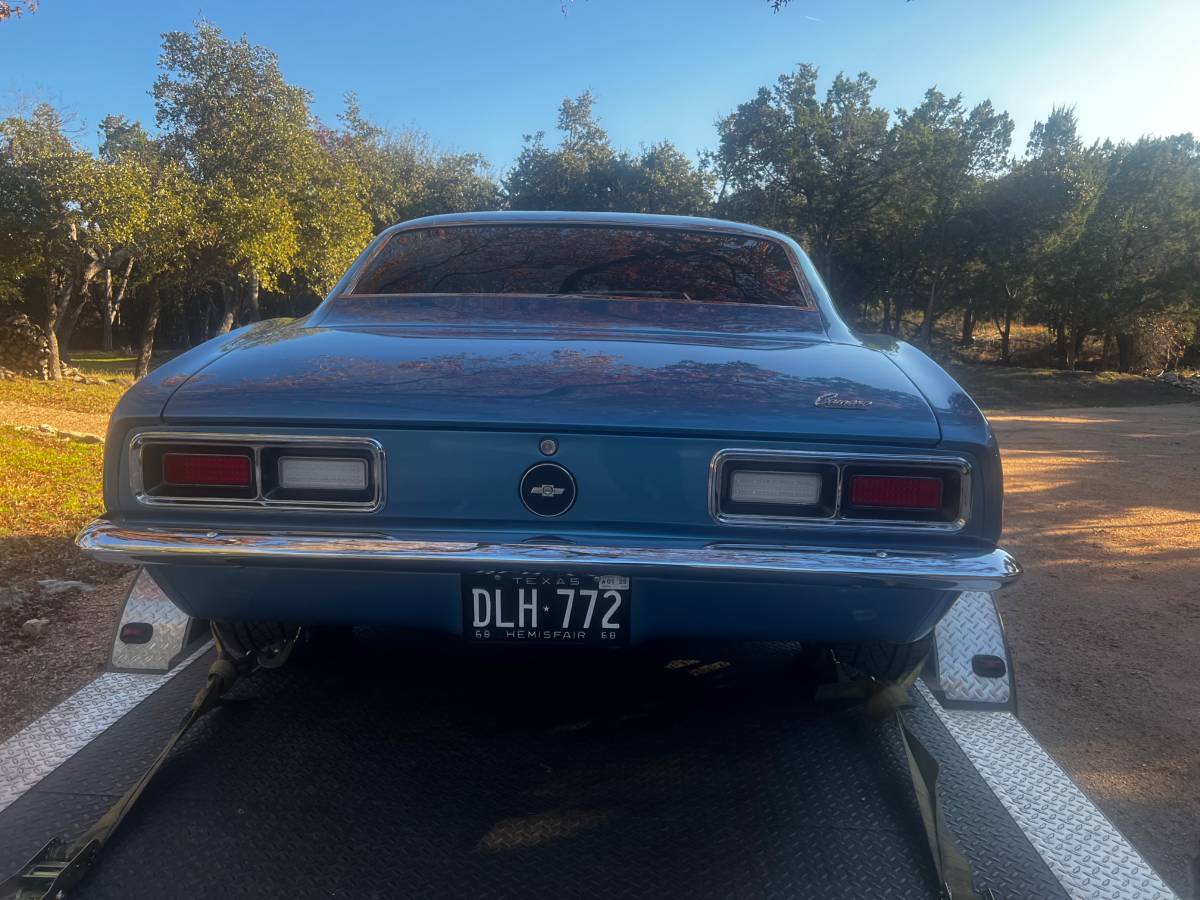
pixel 913 570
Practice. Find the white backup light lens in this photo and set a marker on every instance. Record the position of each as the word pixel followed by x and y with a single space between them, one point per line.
pixel 322 474
pixel 783 488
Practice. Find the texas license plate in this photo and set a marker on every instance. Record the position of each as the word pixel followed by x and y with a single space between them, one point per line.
pixel 534 608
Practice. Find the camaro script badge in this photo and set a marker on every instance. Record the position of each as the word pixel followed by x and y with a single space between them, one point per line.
pixel 833 401
pixel 546 490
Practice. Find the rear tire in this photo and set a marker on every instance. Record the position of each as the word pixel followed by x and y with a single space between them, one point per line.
pixel 883 661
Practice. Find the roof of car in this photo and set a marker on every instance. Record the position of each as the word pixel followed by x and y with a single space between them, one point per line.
pixel 563 217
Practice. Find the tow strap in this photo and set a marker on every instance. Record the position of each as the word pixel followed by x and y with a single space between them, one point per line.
pixel 58 866
pixel 878 700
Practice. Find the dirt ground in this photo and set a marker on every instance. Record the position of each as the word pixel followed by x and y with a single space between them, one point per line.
pixel 37 673
pixel 1102 507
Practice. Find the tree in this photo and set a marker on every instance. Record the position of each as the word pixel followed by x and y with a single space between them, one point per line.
pixel 402 176
pixel 584 171
pixel 274 198
pixel 817 168
pixel 1138 251
pixel 1027 218
pixel 57 207
pixel 944 154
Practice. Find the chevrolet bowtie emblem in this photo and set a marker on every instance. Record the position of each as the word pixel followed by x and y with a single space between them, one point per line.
pixel 834 401
pixel 546 490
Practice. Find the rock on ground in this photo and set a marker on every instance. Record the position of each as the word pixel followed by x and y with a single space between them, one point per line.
pixel 33 628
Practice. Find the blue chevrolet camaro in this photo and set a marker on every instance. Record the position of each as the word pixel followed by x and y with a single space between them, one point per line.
pixel 569 429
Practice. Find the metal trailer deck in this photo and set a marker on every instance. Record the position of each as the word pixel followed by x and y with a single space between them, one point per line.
pixel 416 769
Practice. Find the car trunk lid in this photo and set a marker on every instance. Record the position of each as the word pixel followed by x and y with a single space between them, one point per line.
pixel 568 376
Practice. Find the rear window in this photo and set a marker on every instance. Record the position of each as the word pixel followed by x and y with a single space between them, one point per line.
pixel 610 261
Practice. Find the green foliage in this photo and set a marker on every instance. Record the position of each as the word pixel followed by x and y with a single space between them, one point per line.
pixel 402 176
pixel 45 182
pixel 925 209
pixel 242 133
pixel 819 169
pixel 584 172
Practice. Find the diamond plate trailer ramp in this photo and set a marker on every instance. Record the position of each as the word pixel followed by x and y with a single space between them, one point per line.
pixel 416 769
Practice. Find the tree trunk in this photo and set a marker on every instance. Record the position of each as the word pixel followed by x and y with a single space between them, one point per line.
pixel 898 324
pixel 1004 325
pixel 968 327
pixel 1125 343
pixel 1106 352
pixel 106 312
pixel 1006 336
pixel 1079 336
pixel 227 300
pixel 927 324
pixel 1060 342
pixel 112 305
pixel 887 314
pixel 67 323
pixel 78 289
pixel 250 304
pixel 148 329
pixel 55 300
pixel 208 312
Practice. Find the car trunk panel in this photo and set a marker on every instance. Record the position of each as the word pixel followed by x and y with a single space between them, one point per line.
pixel 603 380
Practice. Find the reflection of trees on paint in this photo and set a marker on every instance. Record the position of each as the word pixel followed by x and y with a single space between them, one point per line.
pixel 558 377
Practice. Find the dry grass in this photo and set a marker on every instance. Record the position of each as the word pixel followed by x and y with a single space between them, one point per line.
pixel 47 486
pixel 68 396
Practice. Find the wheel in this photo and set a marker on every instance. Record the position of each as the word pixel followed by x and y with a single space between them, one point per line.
pixel 882 661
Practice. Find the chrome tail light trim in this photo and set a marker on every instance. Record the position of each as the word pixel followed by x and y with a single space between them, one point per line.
pixel 257 443
pixel 840 461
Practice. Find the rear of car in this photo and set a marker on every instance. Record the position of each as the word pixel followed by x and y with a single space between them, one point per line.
pixel 565 429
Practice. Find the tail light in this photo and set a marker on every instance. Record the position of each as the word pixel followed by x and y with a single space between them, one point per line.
pixel 903 493
pixel 896 491
pixel 764 487
pixel 207 470
pixel 293 472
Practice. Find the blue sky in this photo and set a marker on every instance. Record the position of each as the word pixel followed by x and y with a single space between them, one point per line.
pixel 478 75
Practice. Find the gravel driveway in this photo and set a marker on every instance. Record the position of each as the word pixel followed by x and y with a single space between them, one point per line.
pixel 1102 506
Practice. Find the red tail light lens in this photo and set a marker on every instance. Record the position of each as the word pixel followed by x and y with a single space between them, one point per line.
pixel 206 470
pixel 896 492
